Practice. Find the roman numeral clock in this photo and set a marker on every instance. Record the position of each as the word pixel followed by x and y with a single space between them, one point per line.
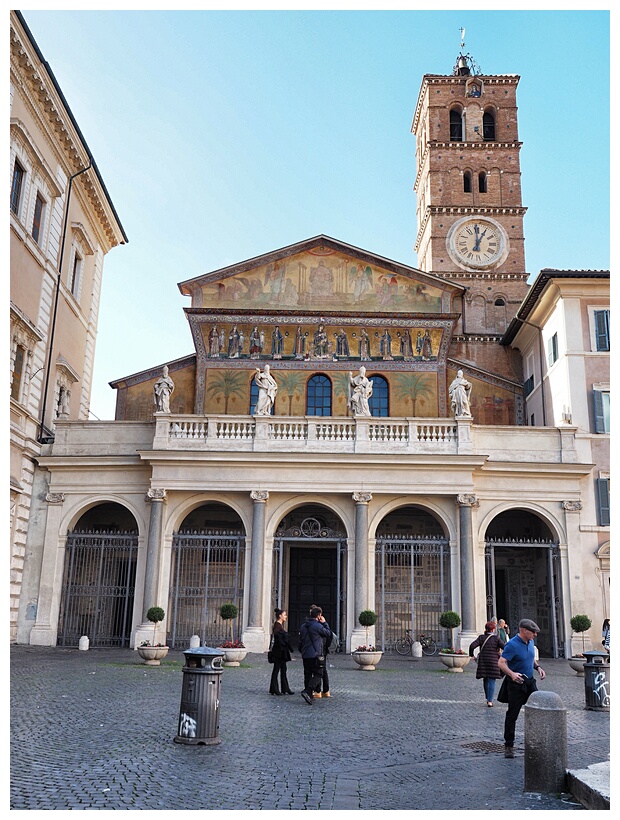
pixel 477 243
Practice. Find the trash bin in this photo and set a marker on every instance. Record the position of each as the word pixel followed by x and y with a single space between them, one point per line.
pixel 199 718
pixel 597 677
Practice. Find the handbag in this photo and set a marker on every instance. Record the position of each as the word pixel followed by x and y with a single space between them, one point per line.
pixel 270 658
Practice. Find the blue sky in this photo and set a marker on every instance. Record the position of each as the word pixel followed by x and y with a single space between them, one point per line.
pixel 224 135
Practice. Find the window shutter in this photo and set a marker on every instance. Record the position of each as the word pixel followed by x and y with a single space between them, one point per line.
pixel 599 416
pixel 601 323
pixel 603 501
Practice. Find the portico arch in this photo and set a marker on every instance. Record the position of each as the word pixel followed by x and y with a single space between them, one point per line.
pixel 99 575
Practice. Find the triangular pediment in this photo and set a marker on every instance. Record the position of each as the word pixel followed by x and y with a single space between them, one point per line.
pixel 318 274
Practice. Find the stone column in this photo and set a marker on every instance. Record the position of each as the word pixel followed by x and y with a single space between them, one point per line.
pixel 45 630
pixel 358 634
pixel 468 631
pixel 254 635
pixel 153 544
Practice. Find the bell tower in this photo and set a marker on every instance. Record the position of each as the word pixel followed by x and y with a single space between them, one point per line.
pixel 468 186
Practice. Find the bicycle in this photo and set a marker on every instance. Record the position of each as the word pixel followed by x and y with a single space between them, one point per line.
pixel 404 646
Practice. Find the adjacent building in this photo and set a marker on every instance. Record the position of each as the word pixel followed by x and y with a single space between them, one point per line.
pixel 62 224
pixel 348 430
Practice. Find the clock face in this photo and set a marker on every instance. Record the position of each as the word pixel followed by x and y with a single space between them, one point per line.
pixel 477 243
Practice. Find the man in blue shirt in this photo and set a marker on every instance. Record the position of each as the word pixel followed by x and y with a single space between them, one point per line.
pixel 518 662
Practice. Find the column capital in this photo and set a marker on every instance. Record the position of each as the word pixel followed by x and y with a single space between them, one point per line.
pixel 362 498
pixel 259 495
pixel 155 494
pixel 55 498
pixel 467 500
pixel 572 506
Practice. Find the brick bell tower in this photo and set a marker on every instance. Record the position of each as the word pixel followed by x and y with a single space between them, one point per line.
pixel 468 186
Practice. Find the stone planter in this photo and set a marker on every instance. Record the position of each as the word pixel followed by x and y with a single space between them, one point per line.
pixel 455 663
pixel 233 657
pixel 152 655
pixel 577 664
pixel 366 660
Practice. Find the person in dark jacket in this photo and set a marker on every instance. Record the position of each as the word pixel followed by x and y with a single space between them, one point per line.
pixel 324 673
pixel 487 661
pixel 281 651
pixel 312 633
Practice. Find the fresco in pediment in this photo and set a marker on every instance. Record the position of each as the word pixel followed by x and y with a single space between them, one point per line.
pixel 319 280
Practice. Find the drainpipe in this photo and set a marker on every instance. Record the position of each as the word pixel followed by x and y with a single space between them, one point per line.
pixel 41 438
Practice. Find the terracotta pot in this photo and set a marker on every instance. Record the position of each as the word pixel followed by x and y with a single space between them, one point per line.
pixel 455 663
pixel 366 660
pixel 152 655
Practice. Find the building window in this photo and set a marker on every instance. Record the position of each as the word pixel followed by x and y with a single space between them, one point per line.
pixel 601 411
pixel 602 486
pixel 467 182
pixel 16 187
pixel 528 386
pixel 319 396
pixel 456 126
pixel 482 182
pixel 39 208
pixel 76 271
pixel 18 370
pixel 378 402
pixel 488 126
pixel 601 329
pixel 552 349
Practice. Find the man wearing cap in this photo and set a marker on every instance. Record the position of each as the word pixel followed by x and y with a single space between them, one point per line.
pixel 518 664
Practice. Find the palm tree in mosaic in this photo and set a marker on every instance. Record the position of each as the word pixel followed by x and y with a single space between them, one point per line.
pixel 414 387
pixel 226 384
pixel 290 384
pixel 341 389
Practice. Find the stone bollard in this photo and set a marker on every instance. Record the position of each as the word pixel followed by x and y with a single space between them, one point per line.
pixel 545 744
pixel 194 642
pixel 416 649
pixel 83 643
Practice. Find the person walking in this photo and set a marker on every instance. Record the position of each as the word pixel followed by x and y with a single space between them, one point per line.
pixel 503 633
pixel 325 693
pixel 312 633
pixel 518 662
pixel 281 651
pixel 606 636
pixel 487 661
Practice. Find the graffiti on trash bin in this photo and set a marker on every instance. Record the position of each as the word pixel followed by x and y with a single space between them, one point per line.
pixel 599 688
pixel 187 726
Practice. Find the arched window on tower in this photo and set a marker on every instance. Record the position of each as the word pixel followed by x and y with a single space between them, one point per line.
pixel 319 396
pixel 488 126
pixel 467 182
pixel 379 401
pixel 482 182
pixel 456 126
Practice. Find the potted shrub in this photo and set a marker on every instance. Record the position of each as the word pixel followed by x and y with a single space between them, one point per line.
pixel 454 659
pixel 152 652
pixel 579 624
pixel 234 649
pixel 367 656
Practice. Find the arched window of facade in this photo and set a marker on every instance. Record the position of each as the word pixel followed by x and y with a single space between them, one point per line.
pixel 456 126
pixel 467 182
pixel 488 126
pixel 319 396
pixel 482 182
pixel 379 401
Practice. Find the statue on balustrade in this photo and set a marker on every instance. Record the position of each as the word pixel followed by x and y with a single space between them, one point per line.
pixel 460 392
pixel 162 391
pixel 267 389
pixel 360 390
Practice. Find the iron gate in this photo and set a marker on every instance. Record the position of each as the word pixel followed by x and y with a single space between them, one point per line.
pixel 206 572
pixel 412 587
pixel 98 588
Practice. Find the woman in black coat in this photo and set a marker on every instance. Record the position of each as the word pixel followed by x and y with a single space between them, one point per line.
pixel 281 653
pixel 488 669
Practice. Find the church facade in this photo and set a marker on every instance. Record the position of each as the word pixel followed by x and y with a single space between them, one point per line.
pixel 348 431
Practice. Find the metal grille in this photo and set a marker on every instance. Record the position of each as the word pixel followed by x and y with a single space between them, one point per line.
pixel 207 571
pixel 98 588
pixel 412 587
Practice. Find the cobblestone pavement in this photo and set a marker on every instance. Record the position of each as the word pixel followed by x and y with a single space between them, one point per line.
pixel 95 729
